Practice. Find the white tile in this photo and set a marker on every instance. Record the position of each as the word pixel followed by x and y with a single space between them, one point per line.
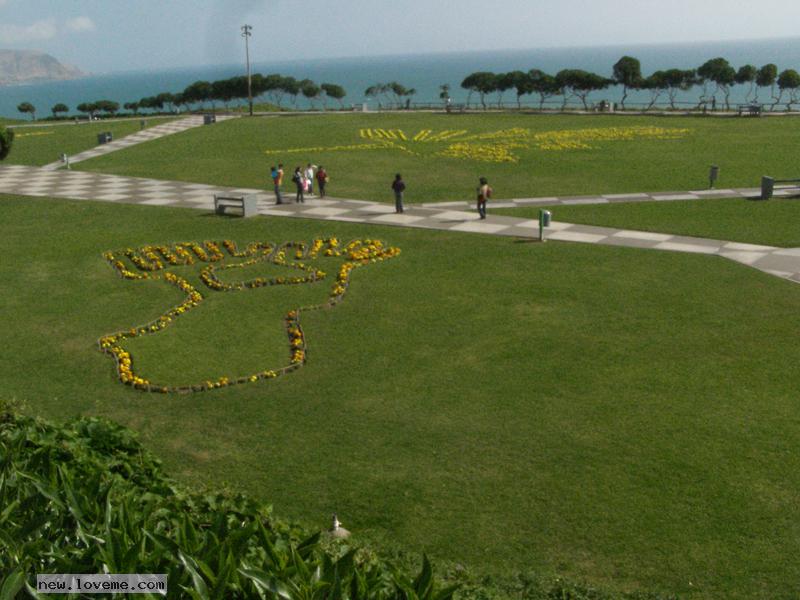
pixel 713 192
pixel 788 252
pixel 325 211
pixel 747 258
pixel 675 197
pixel 558 226
pixel 643 235
pixel 748 247
pixel 693 248
pixel 531 223
pixel 624 196
pixel 524 201
pixel 581 201
pixel 479 226
pixel 377 208
pixel 159 201
pixel 454 215
pixel 784 274
pixel 574 236
pixel 400 219
pixel 115 197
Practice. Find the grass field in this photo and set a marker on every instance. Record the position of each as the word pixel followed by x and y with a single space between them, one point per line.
pixel 42 143
pixel 555 154
pixel 774 223
pixel 627 418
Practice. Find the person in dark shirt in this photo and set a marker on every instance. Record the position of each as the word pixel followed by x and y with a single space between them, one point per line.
pixel 399 186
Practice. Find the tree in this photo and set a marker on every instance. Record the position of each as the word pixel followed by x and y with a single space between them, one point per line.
pixel 444 92
pixel 523 84
pixel 676 80
pixel 199 92
pixel 721 73
pixel 292 87
pixel 107 106
pixel 334 91
pixel 789 81
pixel 134 106
pixel 88 107
pixel 747 74
pixel 151 102
pixel 168 99
pixel 376 91
pixel 628 74
pixel 502 83
pixel 310 90
pixel 59 108
pixel 656 84
pixel 767 76
pixel 542 84
pixel 6 140
pixel 576 82
pixel 223 91
pixel 273 88
pixel 27 107
pixel 482 82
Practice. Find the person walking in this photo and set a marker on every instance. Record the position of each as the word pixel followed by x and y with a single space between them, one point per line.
pixel 322 179
pixel 399 186
pixel 310 178
pixel 299 181
pixel 484 193
pixel 277 180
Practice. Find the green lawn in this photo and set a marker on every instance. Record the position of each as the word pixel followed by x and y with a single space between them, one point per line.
pixel 775 222
pixel 44 143
pixel 622 417
pixel 233 153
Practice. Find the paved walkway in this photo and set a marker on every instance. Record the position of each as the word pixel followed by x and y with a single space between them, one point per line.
pixel 34 181
pixel 151 133
pixel 617 198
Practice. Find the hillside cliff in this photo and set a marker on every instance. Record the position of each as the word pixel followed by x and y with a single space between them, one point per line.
pixel 28 66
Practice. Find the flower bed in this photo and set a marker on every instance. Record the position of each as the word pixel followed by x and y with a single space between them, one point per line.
pixel 495 146
pixel 151 262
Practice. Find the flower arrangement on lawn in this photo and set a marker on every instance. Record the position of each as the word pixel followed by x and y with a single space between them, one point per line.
pixel 154 262
pixel 493 146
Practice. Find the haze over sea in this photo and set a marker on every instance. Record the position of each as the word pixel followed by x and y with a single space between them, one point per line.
pixel 425 72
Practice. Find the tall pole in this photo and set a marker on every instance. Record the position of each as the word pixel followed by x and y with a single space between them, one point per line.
pixel 246 33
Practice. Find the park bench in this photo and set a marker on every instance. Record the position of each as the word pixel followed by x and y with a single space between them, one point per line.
pixel 768 186
pixel 248 204
pixel 451 108
pixel 749 110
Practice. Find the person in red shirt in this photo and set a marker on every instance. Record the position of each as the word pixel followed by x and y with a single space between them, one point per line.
pixel 322 179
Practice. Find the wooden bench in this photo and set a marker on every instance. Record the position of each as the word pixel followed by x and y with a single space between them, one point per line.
pixel 749 110
pixel 768 186
pixel 247 203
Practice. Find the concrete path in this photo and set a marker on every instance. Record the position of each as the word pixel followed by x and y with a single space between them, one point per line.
pixel 145 135
pixel 617 198
pixel 79 185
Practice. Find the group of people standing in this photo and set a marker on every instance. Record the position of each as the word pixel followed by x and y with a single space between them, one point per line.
pixel 303 180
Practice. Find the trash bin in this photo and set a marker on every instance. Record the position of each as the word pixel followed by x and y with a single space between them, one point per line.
pixel 104 138
pixel 209 119
pixel 767 187
pixel 713 175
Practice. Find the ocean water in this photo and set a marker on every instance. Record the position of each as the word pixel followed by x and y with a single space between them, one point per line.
pixel 425 72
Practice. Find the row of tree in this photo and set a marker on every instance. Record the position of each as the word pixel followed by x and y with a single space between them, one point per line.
pixel 627 72
pixel 276 88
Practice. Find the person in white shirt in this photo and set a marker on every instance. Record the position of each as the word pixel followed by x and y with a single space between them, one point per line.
pixel 309 173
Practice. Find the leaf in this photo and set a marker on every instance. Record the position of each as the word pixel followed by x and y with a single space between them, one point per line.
pixel 266 582
pixel 12 585
pixel 197 580
pixel 423 582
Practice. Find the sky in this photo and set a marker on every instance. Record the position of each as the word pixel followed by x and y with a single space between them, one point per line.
pixel 101 36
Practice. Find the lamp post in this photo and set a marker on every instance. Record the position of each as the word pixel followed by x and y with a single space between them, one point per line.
pixel 246 33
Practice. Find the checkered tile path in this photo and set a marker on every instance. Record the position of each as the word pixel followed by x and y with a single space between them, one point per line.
pixel 145 135
pixel 33 181
pixel 615 198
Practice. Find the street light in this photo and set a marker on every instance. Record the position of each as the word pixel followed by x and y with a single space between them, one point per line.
pixel 246 33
